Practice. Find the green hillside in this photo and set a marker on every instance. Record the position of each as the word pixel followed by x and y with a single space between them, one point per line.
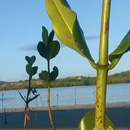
pixel 123 77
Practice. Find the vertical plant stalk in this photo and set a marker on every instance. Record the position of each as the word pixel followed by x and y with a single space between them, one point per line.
pixel 48 49
pixel 48 100
pixel 25 122
pixel 102 67
pixel 27 107
pixel 29 90
pixel 30 71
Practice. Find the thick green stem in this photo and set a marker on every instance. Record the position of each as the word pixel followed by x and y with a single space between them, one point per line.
pixel 103 51
pixel 102 66
pixel 101 96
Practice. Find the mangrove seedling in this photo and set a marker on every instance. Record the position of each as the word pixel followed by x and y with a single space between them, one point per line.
pixel 48 49
pixel 67 29
pixel 30 71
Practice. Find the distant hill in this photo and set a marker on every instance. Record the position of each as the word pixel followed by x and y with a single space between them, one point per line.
pixel 123 77
pixel 2 82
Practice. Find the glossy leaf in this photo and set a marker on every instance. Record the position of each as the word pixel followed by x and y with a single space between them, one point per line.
pixel 30 60
pixel 79 38
pixel 31 70
pixel 54 73
pixel 88 122
pixel 44 35
pixel 66 26
pixel 49 51
pixel 124 47
pixel 44 75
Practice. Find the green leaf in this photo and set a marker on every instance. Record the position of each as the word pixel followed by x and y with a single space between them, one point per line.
pixel 35 68
pixel 53 49
pixel 79 38
pixel 30 60
pixel 44 75
pixel 31 70
pixel 88 122
pixel 66 26
pixel 54 73
pixel 49 51
pixel 42 49
pixel 44 35
pixel 51 36
pixel 124 47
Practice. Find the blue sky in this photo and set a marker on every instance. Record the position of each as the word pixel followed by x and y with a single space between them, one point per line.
pixel 21 26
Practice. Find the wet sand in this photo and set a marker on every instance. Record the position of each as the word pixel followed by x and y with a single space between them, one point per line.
pixel 65 118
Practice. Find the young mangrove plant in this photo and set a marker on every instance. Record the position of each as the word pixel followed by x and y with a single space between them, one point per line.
pixel 67 29
pixel 48 49
pixel 30 71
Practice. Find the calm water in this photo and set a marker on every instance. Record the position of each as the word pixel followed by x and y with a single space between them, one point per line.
pixel 66 96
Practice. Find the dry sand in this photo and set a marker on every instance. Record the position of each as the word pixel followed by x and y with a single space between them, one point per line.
pixel 65 118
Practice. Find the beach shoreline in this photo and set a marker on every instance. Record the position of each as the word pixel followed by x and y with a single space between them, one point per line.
pixel 67 107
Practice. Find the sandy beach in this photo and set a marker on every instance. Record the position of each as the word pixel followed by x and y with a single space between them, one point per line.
pixel 65 117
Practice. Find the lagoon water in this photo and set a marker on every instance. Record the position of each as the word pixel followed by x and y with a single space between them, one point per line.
pixel 66 96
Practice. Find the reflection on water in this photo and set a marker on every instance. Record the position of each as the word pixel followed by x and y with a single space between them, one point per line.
pixel 66 96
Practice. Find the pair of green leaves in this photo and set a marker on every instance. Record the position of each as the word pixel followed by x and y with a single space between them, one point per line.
pixel 67 29
pixel 44 75
pixel 48 49
pixel 29 69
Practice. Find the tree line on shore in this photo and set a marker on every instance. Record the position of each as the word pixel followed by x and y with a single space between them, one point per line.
pixel 123 77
